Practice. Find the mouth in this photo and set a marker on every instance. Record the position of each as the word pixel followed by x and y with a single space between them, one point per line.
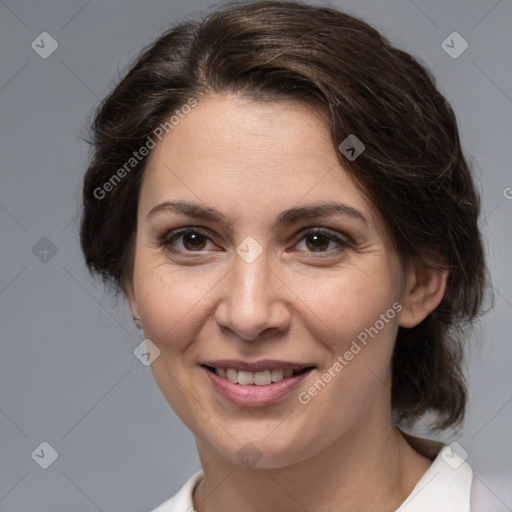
pixel 255 384
pixel 259 378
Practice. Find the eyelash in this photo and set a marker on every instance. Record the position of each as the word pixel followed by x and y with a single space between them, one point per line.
pixel 172 235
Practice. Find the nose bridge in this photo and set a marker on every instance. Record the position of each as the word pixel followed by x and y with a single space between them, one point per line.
pixel 251 280
pixel 251 301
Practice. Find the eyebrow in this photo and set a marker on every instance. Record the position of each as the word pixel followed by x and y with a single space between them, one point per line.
pixel 285 218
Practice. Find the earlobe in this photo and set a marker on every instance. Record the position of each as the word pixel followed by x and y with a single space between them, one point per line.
pixel 132 303
pixel 424 290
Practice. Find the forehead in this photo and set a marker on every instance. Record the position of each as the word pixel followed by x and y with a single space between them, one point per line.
pixel 241 155
pixel 230 129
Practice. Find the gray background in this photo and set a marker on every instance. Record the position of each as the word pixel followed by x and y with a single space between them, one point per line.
pixel 68 375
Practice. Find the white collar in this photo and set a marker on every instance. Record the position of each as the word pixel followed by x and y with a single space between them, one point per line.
pixel 444 487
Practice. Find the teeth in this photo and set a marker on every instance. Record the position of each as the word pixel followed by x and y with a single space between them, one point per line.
pixel 232 375
pixel 244 378
pixel 261 378
pixel 277 375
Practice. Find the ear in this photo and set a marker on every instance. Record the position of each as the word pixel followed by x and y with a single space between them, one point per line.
pixel 424 289
pixel 132 302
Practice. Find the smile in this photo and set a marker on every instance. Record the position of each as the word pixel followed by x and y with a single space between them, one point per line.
pixel 260 378
pixel 255 388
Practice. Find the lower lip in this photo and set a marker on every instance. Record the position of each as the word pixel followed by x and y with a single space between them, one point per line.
pixel 255 396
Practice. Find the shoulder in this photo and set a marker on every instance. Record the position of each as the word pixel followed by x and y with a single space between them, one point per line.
pixel 182 500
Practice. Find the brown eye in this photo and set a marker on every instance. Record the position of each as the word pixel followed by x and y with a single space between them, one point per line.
pixel 317 242
pixel 193 241
pixel 186 240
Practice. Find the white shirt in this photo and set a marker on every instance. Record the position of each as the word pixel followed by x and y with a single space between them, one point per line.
pixel 447 486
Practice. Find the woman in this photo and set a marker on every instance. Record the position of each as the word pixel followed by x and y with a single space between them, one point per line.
pixel 283 199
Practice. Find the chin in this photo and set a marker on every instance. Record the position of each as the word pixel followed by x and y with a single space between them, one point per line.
pixel 262 452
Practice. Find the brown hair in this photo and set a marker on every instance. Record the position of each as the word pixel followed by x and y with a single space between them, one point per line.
pixel 412 169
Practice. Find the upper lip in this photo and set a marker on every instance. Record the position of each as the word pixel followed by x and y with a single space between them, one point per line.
pixel 256 366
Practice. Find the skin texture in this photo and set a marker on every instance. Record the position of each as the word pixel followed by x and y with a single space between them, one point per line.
pixel 296 302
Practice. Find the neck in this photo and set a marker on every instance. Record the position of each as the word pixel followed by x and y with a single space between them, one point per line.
pixel 368 469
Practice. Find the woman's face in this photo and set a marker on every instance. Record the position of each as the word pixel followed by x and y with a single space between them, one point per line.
pixel 252 281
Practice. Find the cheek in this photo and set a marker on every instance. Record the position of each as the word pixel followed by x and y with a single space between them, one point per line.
pixel 343 305
pixel 355 321
pixel 171 302
pixel 357 325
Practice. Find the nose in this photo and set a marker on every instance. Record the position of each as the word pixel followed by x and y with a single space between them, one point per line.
pixel 254 300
